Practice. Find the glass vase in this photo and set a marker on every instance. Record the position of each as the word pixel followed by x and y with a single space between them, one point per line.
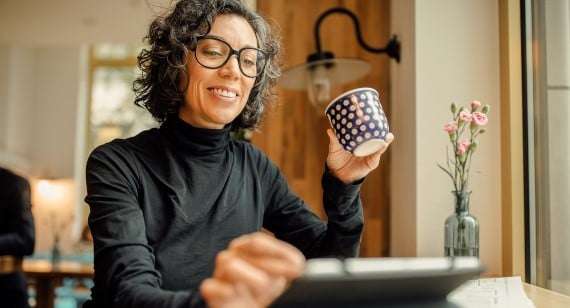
pixel 461 237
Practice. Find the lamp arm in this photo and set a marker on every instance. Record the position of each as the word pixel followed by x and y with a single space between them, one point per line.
pixel 392 48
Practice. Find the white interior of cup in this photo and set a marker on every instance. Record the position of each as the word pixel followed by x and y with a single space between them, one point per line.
pixel 368 147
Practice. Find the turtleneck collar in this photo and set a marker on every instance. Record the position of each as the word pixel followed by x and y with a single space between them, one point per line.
pixel 196 140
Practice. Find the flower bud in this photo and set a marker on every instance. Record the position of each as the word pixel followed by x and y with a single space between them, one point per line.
pixel 452 137
pixel 475 104
pixel 453 108
pixel 485 109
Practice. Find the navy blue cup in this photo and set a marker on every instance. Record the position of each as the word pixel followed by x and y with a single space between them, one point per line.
pixel 358 120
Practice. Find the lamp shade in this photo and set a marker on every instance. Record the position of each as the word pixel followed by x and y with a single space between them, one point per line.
pixel 338 71
pixel 318 76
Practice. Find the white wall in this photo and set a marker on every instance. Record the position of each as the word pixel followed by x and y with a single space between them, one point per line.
pixel 55 107
pixel 39 107
pixel 450 53
pixel 15 106
pixel 403 168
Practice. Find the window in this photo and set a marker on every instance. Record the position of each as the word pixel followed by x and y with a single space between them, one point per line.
pixel 113 113
pixel 546 62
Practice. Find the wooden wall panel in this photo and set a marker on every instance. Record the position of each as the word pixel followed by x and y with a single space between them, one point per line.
pixel 294 134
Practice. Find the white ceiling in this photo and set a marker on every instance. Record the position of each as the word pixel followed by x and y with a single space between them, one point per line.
pixel 73 22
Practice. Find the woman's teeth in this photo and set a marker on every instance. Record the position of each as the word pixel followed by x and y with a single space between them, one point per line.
pixel 224 93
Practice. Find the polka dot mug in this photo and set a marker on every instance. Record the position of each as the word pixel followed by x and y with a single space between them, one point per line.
pixel 358 120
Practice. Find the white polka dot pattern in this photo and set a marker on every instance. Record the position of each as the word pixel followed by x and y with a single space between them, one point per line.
pixel 356 117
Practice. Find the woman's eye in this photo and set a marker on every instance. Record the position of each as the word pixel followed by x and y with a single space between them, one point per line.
pixel 248 62
pixel 212 53
pixel 248 58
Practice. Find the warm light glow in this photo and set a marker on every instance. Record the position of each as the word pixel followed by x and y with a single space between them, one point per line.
pixel 53 209
pixel 51 192
pixel 319 86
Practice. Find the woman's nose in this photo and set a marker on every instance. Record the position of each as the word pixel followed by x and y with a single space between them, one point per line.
pixel 231 68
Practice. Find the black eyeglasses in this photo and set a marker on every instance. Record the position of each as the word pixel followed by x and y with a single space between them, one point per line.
pixel 213 52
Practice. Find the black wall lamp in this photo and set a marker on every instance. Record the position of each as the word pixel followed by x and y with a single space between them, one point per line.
pixel 322 70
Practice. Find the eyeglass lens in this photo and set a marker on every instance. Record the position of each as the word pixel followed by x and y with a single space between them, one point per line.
pixel 214 53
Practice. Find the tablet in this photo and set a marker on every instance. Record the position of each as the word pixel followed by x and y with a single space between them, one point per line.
pixel 365 282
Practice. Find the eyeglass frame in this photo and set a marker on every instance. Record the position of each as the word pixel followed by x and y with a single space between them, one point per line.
pixel 231 52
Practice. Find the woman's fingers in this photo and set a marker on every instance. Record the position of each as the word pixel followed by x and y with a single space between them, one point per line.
pixel 253 271
pixel 214 289
pixel 269 254
pixel 240 280
pixel 221 294
pixel 232 268
pixel 334 144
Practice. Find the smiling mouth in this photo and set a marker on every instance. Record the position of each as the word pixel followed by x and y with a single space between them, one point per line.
pixel 224 93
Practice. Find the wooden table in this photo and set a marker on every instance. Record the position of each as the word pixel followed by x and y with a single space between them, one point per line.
pixel 543 298
pixel 48 278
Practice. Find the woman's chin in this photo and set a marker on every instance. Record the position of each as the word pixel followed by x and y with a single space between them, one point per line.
pixel 226 118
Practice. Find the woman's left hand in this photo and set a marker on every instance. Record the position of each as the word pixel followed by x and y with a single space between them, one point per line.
pixel 349 168
pixel 252 272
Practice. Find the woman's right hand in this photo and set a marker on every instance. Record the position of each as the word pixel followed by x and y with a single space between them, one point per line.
pixel 252 272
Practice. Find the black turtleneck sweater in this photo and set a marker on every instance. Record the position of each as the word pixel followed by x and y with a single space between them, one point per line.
pixel 165 202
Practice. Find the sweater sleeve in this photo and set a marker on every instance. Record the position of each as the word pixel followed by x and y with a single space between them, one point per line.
pixel 291 220
pixel 343 207
pixel 125 274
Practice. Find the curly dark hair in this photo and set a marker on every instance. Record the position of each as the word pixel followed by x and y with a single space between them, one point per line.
pixel 173 35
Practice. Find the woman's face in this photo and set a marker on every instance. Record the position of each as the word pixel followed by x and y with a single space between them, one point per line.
pixel 215 97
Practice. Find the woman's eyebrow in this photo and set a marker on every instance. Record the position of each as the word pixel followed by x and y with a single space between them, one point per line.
pixel 211 36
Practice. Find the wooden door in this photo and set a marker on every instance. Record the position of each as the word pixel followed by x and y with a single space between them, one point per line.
pixel 294 135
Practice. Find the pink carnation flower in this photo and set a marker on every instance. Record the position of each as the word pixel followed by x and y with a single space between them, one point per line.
pixel 450 127
pixel 479 118
pixel 463 146
pixel 475 104
pixel 465 115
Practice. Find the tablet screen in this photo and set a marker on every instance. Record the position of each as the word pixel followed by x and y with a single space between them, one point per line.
pixel 371 281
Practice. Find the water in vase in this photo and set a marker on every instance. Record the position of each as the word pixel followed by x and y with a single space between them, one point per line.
pixel 461 252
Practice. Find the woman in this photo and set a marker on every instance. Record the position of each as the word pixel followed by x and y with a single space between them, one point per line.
pixel 176 212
